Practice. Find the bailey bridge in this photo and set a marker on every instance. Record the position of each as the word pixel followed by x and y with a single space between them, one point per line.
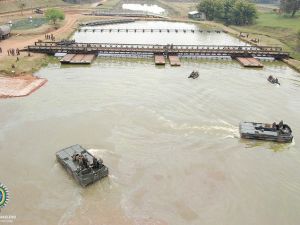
pixel 144 30
pixel 151 49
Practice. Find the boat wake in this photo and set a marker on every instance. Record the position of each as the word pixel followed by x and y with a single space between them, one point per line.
pixel 224 128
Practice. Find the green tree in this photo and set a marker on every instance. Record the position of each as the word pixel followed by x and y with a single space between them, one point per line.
pixel 54 15
pixel 211 8
pixel 228 7
pixel 290 6
pixel 239 12
pixel 243 13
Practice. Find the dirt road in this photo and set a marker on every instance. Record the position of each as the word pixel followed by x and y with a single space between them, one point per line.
pixel 23 41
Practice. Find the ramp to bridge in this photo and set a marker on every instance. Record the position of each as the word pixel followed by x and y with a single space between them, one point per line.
pixel 249 62
pixel 159 60
pixel 174 60
pixel 78 58
pixel 67 58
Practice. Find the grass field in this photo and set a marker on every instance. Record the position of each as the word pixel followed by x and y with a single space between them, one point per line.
pixel 177 9
pixel 29 24
pixel 276 29
pixel 274 20
pixel 25 64
pixel 11 5
pixel 109 4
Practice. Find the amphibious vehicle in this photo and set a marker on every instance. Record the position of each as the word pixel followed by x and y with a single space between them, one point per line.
pixel 273 80
pixel 194 75
pixel 82 165
pixel 270 132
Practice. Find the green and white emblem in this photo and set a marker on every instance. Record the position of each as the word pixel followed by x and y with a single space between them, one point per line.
pixel 4 196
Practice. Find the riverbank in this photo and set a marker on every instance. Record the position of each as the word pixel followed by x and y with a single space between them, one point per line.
pixel 250 37
pixel 271 28
pixel 13 67
pixel 20 86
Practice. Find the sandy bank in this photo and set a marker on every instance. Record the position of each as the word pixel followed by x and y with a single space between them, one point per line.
pixel 19 86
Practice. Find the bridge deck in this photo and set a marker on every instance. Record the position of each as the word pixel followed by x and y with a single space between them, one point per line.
pixel 174 60
pixel 159 60
pixel 249 62
pixel 78 58
pixel 143 30
pixel 67 58
pixel 139 49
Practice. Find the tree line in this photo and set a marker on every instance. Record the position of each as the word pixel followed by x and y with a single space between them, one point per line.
pixel 290 6
pixel 237 12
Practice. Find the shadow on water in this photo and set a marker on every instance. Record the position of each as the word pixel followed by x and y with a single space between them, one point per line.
pixel 266 145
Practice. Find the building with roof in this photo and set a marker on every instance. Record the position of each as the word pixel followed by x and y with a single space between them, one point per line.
pixel 197 15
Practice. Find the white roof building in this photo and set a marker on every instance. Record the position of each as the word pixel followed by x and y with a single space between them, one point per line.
pixel 197 15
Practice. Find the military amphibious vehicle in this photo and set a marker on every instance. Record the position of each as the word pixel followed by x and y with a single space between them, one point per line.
pixel 194 75
pixel 270 132
pixel 83 166
pixel 273 80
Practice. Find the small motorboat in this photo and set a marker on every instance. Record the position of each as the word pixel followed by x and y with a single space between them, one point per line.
pixel 273 80
pixel 194 75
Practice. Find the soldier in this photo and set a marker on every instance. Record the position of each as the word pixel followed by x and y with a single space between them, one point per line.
pixel 80 161
pixel 280 124
pixel 95 163
pixel 274 126
pixel 85 162
pixel 75 157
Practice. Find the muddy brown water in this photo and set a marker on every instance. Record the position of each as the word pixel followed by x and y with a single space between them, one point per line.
pixel 171 144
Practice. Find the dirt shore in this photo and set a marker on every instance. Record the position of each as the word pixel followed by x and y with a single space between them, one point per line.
pixel 13 82
pixel 19 86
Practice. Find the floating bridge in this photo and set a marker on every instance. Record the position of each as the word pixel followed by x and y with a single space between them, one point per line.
pixel 144 30
pixel 150 49
pixel 127 14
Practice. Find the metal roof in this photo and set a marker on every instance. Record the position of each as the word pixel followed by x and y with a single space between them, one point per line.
pixel 193 13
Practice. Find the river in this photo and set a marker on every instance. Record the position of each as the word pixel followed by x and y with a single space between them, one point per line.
pixel 171 144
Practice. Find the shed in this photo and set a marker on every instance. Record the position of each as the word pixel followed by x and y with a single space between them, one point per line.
pixel 197 15
pixel 4 31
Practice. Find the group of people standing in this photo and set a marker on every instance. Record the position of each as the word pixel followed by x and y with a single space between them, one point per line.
pixel 50 37
pixel 13 51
